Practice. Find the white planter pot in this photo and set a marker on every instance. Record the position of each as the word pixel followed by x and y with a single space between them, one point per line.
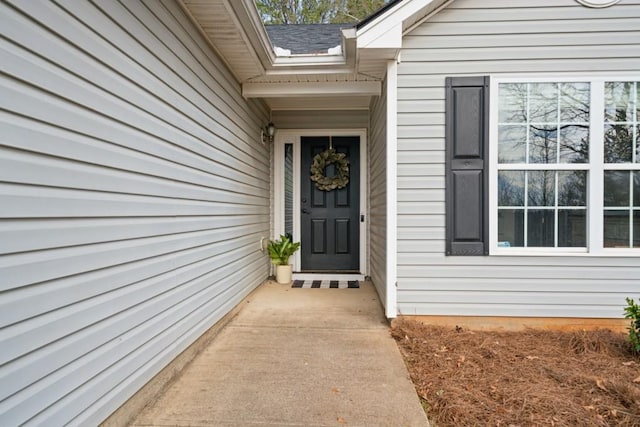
pixel 283 273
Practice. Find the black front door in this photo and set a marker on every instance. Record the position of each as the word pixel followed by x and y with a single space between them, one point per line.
pixel 330 218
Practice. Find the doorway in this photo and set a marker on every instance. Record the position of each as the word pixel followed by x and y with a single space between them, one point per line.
pixel 330 223
pixel 330 238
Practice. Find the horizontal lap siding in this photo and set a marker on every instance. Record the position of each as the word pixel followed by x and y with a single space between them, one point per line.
pixel 378 195
pixel 319 119
pixel 133 194
pixel 490 38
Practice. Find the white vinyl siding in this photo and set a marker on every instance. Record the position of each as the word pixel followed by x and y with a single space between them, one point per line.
pixel 311 119
pixel 133 193
pixel 521 37
pixel 378 195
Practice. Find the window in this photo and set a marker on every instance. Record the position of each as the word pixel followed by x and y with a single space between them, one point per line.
pixel 288 190
pixel 565 165
pixel 621 164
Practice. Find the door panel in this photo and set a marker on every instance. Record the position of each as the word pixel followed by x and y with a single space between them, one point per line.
pixel 329 219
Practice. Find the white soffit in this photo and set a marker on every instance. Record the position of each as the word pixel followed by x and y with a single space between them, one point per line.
pixel 220 26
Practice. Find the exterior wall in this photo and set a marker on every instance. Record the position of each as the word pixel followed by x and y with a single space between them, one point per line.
pixel 378 195
pixel 333 119
pixel 490 38
pixel 133 193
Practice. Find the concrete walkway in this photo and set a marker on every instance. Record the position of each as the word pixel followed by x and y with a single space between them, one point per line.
pixel 295 357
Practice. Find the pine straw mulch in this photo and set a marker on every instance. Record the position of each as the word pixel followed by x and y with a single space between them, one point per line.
pixel 529 378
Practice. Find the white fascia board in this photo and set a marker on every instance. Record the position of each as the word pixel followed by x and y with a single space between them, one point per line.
pixel 285 70
pixel 280 90
pixel 349 33
pixel 309 64
pixel 349 47
pixel 375 33
pixel 310 60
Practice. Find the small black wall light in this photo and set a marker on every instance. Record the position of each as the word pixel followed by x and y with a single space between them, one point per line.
pixel 268 132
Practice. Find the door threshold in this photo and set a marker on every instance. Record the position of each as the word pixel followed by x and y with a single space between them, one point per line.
pixel 328 276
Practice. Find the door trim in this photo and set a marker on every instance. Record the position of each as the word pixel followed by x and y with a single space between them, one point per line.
pixel 292 136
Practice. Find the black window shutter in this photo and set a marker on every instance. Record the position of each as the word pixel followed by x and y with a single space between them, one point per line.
pixel 466 179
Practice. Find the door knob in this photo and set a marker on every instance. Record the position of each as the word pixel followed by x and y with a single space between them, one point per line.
pixel 305 211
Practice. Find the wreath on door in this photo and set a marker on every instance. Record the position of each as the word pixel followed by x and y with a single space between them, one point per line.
pixel 319 165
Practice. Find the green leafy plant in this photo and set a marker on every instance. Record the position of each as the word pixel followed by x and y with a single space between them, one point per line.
pixel 281 250
pixel 632 311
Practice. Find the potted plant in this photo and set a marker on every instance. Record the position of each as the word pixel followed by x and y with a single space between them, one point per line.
pixel 280 251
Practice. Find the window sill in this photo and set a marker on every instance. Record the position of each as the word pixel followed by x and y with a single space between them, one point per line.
pixel 581 252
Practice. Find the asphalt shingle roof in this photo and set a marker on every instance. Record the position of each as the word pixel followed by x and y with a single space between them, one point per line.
pixel 306 38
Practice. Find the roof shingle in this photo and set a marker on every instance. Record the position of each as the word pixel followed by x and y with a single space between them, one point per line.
pixel 303 39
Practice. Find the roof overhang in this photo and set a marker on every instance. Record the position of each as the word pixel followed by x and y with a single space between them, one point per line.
pixel 235 30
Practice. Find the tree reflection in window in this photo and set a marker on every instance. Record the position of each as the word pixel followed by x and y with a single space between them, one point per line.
pixel 621 130
pixel 542 208
pixel 622 181
pixel 543 123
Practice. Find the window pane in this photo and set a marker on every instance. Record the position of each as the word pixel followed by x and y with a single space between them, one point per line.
pixel 636 189
pixel 616 229
pixel 618 101
pixel 636 229
pixel 572 188
pixel 572 228
pixel 543 102
pixel 511 227
pixel 511 188
pixel 288 189
pixel 638 141
pixel 616 188
pixel 541 188
pixel 618 143
pixel 512 143
pixel 574 102
pixel 637 101
pixel 574 144
pixel 512 103
pixel 540 228
pixel 543 144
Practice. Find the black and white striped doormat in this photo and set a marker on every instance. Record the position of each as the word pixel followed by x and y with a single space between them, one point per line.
pixel 333 284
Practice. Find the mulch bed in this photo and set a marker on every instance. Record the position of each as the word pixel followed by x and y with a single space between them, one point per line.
pixel 529 378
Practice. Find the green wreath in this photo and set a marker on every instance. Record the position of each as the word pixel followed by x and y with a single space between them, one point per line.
pixel 320 163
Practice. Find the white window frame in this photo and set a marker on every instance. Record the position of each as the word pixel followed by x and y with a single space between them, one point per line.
pixel 595 169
